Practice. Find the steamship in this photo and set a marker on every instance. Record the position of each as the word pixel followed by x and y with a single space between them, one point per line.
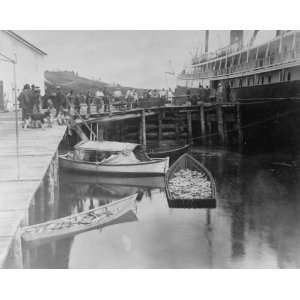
pixel 269 70
pixel 263 78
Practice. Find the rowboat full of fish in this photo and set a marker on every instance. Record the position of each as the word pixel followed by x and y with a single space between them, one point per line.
pixel 190 185
pixel 114 158
pixel 116 212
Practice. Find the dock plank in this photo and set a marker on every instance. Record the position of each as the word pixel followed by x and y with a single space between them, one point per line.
pixel 36 150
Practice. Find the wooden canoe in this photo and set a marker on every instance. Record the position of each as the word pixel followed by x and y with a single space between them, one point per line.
pixel 119 211
pixel 173 152
pixel 186 161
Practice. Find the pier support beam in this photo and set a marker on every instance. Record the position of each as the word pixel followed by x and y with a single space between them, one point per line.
pixel 210 132
pixel 97 130
pixel 220 124
pixel 143 129
pixel 177 128
pixel 159 127
pixel 238 124
pixel 100 132
pixel 189 124
pixel 202 123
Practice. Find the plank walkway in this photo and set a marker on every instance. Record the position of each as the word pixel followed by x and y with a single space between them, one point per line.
pixel 19 181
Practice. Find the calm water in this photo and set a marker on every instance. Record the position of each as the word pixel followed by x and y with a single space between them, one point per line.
pixel 255 225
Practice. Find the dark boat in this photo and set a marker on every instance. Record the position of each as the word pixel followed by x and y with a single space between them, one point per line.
pixel 113 213
pixel 187 163
pixel 174 152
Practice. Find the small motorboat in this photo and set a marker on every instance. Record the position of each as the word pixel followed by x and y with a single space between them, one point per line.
pixel 190 185
pixel 172 152
pixel 113 158
pixel 116 212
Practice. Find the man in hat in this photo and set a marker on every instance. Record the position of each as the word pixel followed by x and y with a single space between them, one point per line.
pixel 70 100
pixel 106 100
pixel 36 99
pixel 77 104
pixel 98 98
pixel 88 100
pixel 59 101
pixel 25 103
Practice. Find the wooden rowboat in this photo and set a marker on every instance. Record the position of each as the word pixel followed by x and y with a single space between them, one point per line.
pixel 114 158
pixel 187 162
pixel 116 212
pixel 174 152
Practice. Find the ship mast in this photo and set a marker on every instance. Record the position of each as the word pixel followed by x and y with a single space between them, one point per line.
pixel 206 40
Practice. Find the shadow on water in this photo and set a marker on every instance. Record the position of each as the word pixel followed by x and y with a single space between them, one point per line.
pixel 255 224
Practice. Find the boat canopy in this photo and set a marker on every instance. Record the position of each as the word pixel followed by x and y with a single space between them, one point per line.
pixel 106 146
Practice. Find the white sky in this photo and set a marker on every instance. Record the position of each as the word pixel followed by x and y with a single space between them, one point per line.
pixel 133 58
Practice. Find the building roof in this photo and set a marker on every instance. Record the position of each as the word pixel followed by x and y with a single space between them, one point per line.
pixel 106 146
pixel 23 41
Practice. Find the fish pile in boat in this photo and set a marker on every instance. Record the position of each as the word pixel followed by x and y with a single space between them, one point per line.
pixel 83 220
pixel 188 184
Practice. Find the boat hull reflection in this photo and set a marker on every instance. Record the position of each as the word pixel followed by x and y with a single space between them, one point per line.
pixel 144 181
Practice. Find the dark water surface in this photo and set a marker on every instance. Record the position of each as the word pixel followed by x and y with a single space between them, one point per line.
pixel 255 225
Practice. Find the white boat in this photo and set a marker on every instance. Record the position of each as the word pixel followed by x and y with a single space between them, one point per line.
pixel 113 158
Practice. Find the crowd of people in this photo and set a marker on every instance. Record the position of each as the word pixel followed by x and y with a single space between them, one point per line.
pixel 72 102
pixel 33 104
pixel 167 95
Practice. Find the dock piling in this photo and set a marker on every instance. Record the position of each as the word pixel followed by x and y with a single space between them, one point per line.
pixel 238 123
pixel 190 129
pixel 220 122
pixel 159 127
pixel 100 133
pixel 143 128
pixel 202 122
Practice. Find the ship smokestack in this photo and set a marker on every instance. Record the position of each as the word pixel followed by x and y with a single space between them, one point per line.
pixel 236 36
pixel 206 40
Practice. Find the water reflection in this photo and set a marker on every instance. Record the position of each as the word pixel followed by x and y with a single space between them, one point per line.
pixel 255 224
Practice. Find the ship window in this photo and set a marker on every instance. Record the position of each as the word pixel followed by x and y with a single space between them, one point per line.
pixel 231 83
pixel 288 76
pixel 262 79
pixel 223 64
pixel 240 83
pixel 243 57
pixel 281 75
pixel 269 79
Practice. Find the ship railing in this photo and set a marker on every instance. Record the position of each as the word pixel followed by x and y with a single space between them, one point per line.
pixel 260 63
pixel 268 61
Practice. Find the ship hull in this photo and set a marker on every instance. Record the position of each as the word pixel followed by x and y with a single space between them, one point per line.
pixel 269 125
pixel 279 90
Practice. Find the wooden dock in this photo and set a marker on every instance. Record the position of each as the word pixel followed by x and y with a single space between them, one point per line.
pixel 208 123
pixel 20 178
